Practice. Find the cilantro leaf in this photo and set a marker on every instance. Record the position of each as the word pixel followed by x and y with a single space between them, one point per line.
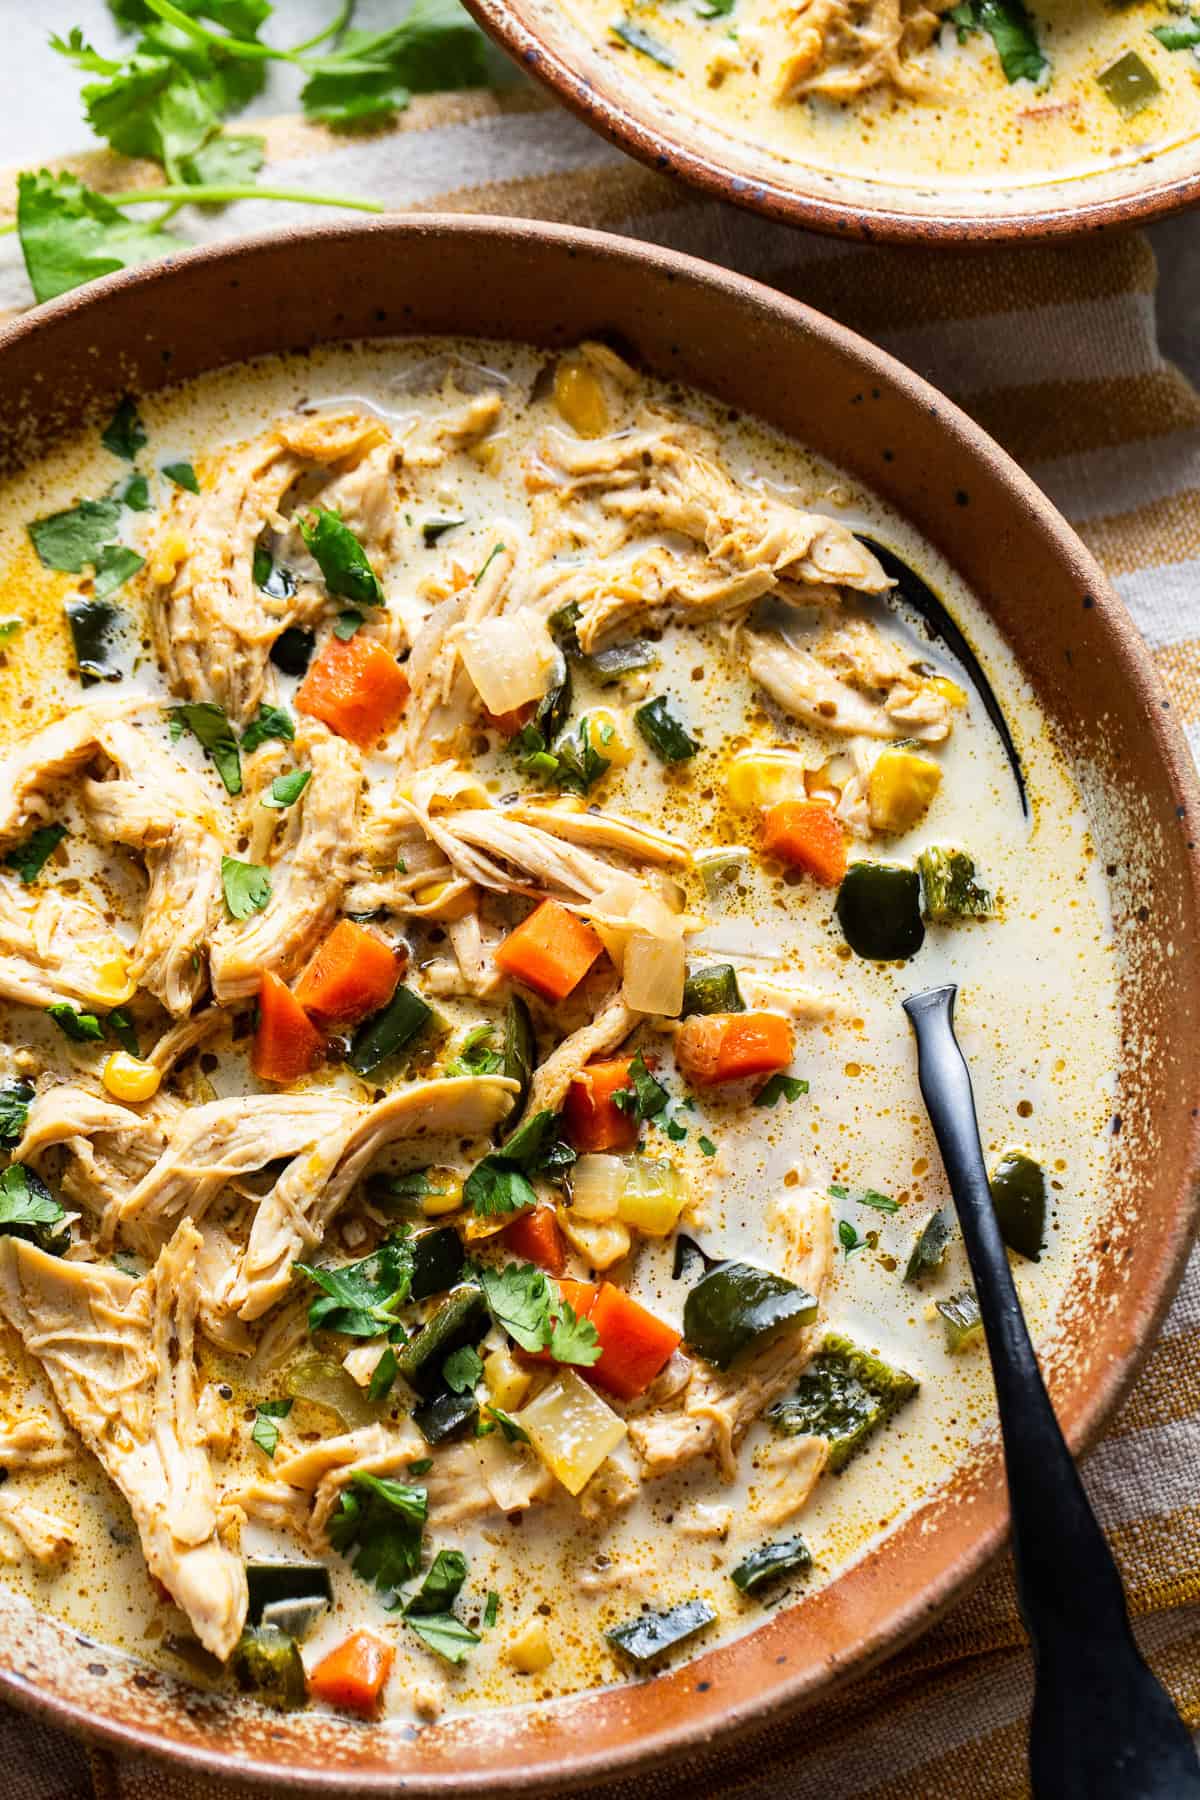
pixel 124 434
pixel 80 1027
pixel 708 1148
pixel 787 1087
pixel 341 558
pixel 346 624
pixel 361 1298
pixel 433 529
pixel 120 1024
pixel 137 494
pixel 849 1239
pixel 71 540
pixel 247 887
pixel 372 74
pixel 14 1111
pixel 115 564
pixel 29 1210
pixel 9 628
pixel 880 1202
pixel 491 1611
pixel 224 161
pixel 70 234
pixel 382 1523
pixel 445 1634
pixel 476 1055
pixel 210 725
pixel 440 1588
pixel 266 1427
pixel 30 856
pixel 183 475
pixel 269 722
pixel 645 1098
pixel 513 1433
pixel 287 789
pixel 1012 31
pixel 500 1182
pixel 535 1316
pixel 462 1369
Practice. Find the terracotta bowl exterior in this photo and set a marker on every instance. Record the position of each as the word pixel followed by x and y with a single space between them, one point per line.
pixel 807 376
pixel 608 94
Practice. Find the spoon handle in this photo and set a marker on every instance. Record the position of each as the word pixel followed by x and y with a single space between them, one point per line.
pixel 1103 1728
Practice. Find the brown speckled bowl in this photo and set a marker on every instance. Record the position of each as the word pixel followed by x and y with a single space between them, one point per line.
pixel 608 93
pixel 832 391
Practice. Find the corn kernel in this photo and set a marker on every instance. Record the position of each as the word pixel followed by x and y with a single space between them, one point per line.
pixel 900 788
pixel 445 1195
pixel 169 552
pixel 580 399
pixel 129 1078
pixel 441 894
pixel 610 736
pixel 507 1382
pixel 529 1649
pixel 111 984
pixel 950 691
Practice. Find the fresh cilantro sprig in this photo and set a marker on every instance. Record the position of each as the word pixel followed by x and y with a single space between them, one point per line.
pixel 869 1197
pixel 246 886
pixel 501 1183
pixel 14 1111
pixel 780 1086
pixel 29 1210
pixel 535 1315
pixel 378 1526
pixel 361 1299
pixel 476 1055
pixel 645 1097
pixel 341 558
pixel 265 1433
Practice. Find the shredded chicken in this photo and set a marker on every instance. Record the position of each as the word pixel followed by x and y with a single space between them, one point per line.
pixel 612 1025
pixel 442 698
pixel 851 680
pixel 841 48
pixel 45 1536
pixel 118 1355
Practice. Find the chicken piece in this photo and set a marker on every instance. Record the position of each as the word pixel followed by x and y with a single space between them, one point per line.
pixel 61 949
pixel 842 48
pixel 475 956
pixel 432 441
pixel 787 1471
pixel 174 1044
pixel 715 1409
pixel 611 1026
pixel 43 1535
pixel 308 877
pixel 213 626
pixel 118 1354
pixel 851 680
pixel 442 698
pixel 153 805
pixel 794 999
pixel 603 831
pixel 481 1476
pixel 35 1442
pixel 292 1218
pixel 210 1146
pixel 96 1177
pixel 323 1470
pixel 665 476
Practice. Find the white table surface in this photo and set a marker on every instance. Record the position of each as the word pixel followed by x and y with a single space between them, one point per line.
pixel 40 116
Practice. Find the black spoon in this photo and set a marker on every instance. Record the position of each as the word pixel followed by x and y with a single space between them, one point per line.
pixel 1103 1728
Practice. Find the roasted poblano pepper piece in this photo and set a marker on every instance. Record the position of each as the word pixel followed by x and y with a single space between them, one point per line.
pixel 950 886
pixel 960 1320
pixel 1018 1187
pixel 404 1018
pixel 273 1583
pixel 737 1304
pixel 771 1562
pixel 928 1253
pixel 293 648
pixel 1129 84
pixel 446 1416
pixel 879 911
pixel 651 1633
pixel 609 666
pixel 266 1663
pixel 94 624
pixel 462 1318
pixel 437 1262
pixel 667 735
pixel 844 1395
pixel 520 1052
pixel 713 990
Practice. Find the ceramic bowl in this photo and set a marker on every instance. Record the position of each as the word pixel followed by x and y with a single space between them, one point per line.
pixel 807 376
pixel 610 94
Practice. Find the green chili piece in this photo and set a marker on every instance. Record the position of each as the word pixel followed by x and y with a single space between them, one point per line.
pixel 667 736
pixel 1129 84
pixel 403 1018
pixel 462 1318
pixel 445 1417
pixel 879 911
pixel 437 1262
pixel 651 1633
pixel 770 1563
pixel 844 1395
pixel 951 889
pixel 609 666
pixel 713 990
pixel 960 1320
pixel 266 1663
pixel 519 1051
pixel 1018 1186
pixel 738 1304
pixel 929 1251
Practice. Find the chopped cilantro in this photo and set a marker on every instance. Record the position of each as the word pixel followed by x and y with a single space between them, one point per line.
pixel 124 434
pixel 491 1611
pixel 269 722
pixel 440 1588
pixel 362 1298
pixel 287 789
pixel 707 1146
pixel 183 475
pixel 535 1316
pixel 379 1524
pixel 29 1210
pixel 14 1111
pixel 73 539
pixel 30 856
pixel 383 1376
pixel 341 558
pixel 789 1087
pixel 462 1369
pixel 266 1424
pixel 445 1634
pixel 645 1098
pixel 80 1027
pixel 247 887
pixel 210 725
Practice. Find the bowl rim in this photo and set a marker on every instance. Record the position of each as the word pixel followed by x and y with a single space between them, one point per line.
pixel 622 124
pixel 790 1694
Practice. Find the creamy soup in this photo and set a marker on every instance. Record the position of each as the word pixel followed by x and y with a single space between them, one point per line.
pixel 914 93
pixel 470 1231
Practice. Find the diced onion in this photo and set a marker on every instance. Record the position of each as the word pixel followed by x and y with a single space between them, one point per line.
pixel 601 1242
pixel 654 972
pixel 511 660
pixel 653 1196
pixel 572 1430
pixel 597 1184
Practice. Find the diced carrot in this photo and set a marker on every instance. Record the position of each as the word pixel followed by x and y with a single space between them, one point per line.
pixel 634 1345
pixel 354 1675
pixel 714 1047
pixel 357 688
pixel 287 1044
pixel 551 951
pixel 352 974
pixel 808 835
pixel 594 1121
pixel 536 1237
pixel 509 723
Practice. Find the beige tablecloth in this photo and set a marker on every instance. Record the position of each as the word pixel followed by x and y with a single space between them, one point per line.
pixel 1053 351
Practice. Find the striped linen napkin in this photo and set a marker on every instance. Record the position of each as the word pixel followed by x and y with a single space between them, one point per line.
pixel 1052 349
